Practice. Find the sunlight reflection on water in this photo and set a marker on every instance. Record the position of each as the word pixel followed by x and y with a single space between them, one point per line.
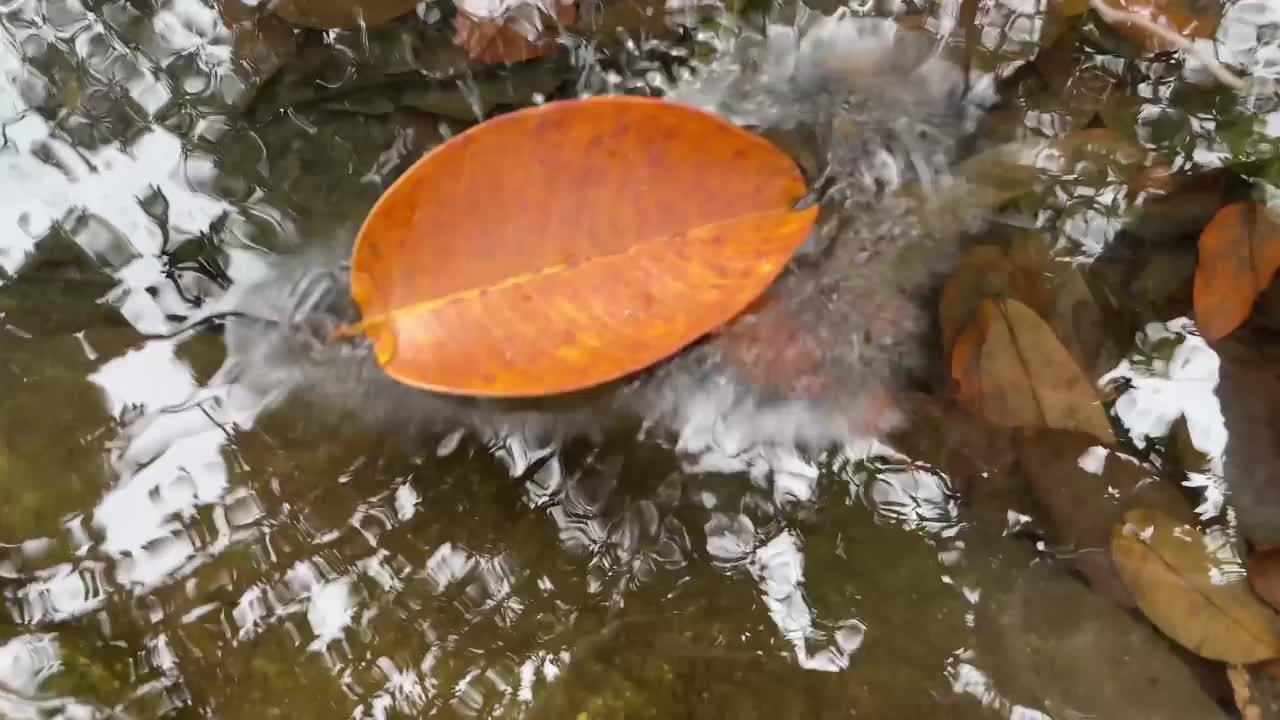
pixel 246 555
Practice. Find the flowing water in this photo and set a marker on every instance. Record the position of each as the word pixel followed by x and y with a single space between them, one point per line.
pixel 207 526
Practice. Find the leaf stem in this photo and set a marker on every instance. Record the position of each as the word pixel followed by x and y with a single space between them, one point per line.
pixel 1116 16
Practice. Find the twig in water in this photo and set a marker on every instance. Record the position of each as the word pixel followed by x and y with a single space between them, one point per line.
pixel 1116 16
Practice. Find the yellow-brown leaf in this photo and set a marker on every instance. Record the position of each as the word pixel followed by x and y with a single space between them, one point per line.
pixel 1190 592
pixel 1011 369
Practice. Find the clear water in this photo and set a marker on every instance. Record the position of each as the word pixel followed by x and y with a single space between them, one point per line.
pixel 180 537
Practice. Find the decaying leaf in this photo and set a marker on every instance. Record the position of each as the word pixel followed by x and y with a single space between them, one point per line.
pixel 1239 255
pixel 324 14
pixel 1194 592
pixel 510 31
pixel 559 247
pixel 1011 369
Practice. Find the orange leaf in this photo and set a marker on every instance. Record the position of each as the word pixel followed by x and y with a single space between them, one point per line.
pixel 1239 255
pixel 559 247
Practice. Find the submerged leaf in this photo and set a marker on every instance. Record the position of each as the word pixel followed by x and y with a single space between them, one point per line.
pixel 563 246
pixel 502 32
pixel 1012 369
pixel 1191 591
pixel 1239 255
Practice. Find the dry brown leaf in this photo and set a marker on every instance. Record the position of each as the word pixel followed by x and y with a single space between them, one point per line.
pixel 510 32
pixel 1191 592
pixel 1011 369
pixel 563 246
pixel 1239 255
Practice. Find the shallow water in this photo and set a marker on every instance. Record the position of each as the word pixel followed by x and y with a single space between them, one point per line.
pixel 179 540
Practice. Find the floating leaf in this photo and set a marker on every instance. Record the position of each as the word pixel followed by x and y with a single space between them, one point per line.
pixel 325 14
pixel 1012 370
pixel 559 247
pixel 1191 591
pixel 1239 255
pixel 510 32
